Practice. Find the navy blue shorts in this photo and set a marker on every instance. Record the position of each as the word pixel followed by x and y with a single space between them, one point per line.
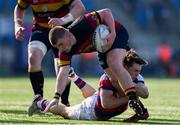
pixel 42 35
pixel 121 41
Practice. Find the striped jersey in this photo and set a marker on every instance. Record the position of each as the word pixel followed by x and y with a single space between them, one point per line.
pixel 105 84
pixel 102 113
pixel 139 79
pixel 83 30
pixel 42 9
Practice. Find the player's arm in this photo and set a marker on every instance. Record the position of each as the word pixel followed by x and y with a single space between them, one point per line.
pixel 18 22
pixel 142 90
pixel 76 9
pixel 86 89
pixel 108 19
pixel 62 78
pixel 109 101
pixel 61 82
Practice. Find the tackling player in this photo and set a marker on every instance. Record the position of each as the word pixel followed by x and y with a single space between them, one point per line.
pixel 106 102
pixel 46 14
pixel 78 39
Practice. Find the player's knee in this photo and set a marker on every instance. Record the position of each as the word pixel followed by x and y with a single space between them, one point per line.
pixel 34 61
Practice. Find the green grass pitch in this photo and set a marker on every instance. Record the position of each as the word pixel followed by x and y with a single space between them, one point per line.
pixel 16 94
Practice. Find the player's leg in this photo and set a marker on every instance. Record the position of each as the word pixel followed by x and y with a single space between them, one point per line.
pixel 40 104
pixel 114 60
pixel 142 91
pixel 35 56
pixel 84 110
pixel 37 48
pixel 86 89
pixel 136 118
pixel 123 77
pixel 65 94
pixel 118 69
pixel 36 51
pixel 61 110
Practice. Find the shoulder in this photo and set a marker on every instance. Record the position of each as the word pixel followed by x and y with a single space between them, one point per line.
pixel 139 79
pixel 105 83
pixel 23 4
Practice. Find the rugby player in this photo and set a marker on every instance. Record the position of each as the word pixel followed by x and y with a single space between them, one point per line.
pixel 106 102
pixel 77 39
pixel 46 14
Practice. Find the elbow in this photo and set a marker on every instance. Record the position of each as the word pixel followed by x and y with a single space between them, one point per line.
pixel 81 9
pixel 107 10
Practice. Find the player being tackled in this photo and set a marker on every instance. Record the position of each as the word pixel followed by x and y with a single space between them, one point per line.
pixel 95 106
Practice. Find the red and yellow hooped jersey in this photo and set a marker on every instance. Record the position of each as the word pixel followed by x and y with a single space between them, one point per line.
pixel 83 30
pixel 42 9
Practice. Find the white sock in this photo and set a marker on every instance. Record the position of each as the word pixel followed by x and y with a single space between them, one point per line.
pixel 74 78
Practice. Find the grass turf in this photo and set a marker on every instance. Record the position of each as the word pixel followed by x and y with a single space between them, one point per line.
pixel 16 94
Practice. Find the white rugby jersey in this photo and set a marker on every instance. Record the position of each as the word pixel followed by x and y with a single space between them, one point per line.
pixel 139 79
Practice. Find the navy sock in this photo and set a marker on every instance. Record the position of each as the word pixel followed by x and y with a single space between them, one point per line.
pixel 37 82
pixel 65 94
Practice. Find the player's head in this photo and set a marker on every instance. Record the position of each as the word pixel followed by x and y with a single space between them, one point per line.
pixel 61 38
pixel 133 63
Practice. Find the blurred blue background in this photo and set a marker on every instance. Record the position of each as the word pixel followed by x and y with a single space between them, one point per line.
pixel 153 26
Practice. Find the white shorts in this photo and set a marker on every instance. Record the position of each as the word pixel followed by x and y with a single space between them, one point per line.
pixel 85 110
pixel 38 44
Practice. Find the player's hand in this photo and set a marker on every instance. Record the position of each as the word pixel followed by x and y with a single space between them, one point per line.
pixel 19 33
pixel 109 40
pixel 55 22
pixel 54 103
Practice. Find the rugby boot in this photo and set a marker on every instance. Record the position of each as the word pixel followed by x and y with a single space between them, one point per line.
pixel 33 108
pixel 136 118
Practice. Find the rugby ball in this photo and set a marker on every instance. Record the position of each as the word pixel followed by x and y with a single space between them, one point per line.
pixel 99 42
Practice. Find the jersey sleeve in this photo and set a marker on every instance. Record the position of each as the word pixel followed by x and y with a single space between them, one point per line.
pixel 93 18
pixel 105 83
pixel 64 59
pixel 139 79
pixel 23 4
